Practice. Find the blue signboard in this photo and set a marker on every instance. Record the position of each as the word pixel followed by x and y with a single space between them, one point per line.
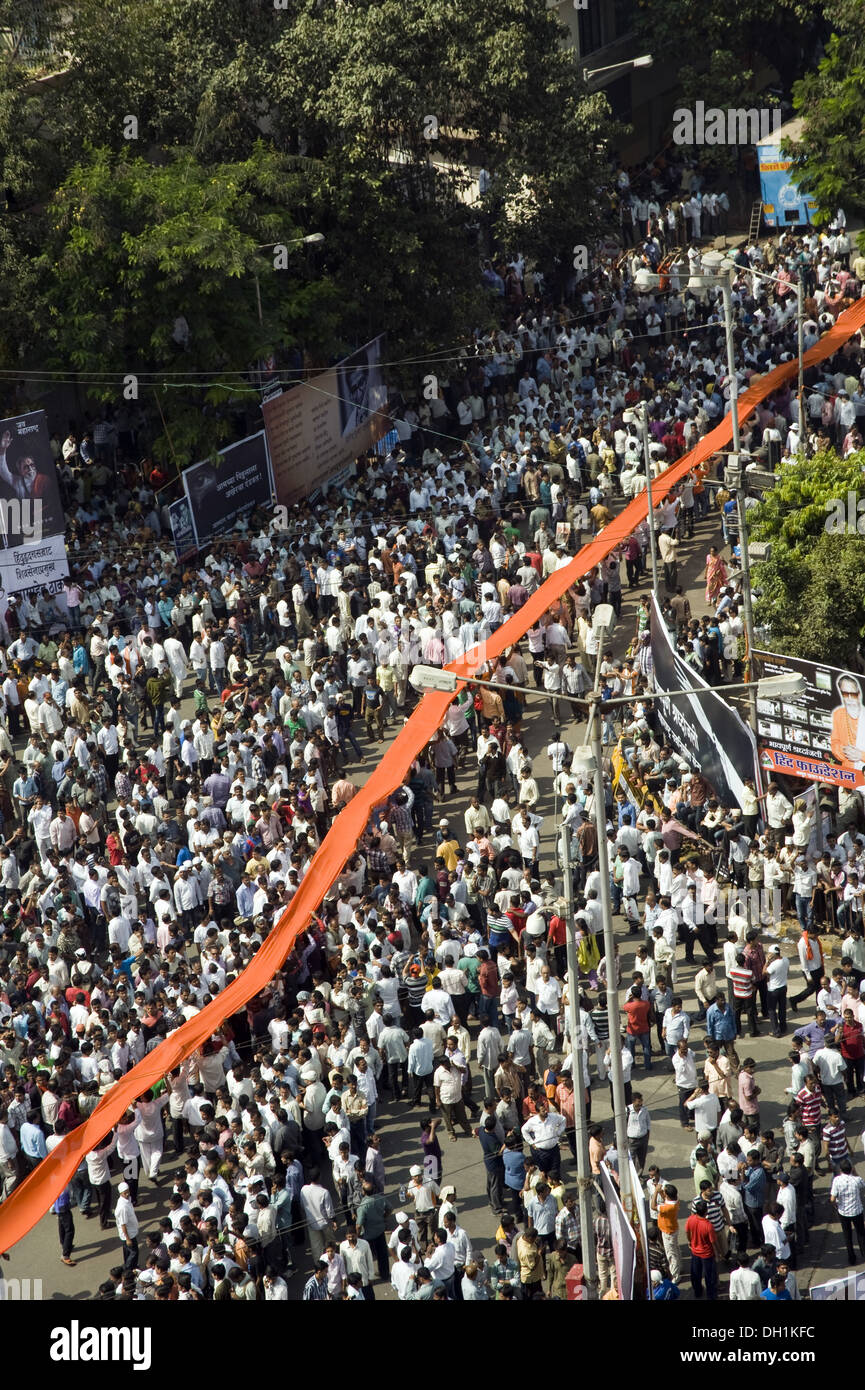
pixel 784 205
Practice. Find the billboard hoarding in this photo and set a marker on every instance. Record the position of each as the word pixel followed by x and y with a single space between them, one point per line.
pixel 220 491
pixel 32 523
pixel 819 735
pixel 315 431
pixel 182 529
pixel 851 1287
pixel 703 730
pixel 621 1233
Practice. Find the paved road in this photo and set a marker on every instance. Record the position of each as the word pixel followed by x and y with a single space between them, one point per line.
pixel 37 1256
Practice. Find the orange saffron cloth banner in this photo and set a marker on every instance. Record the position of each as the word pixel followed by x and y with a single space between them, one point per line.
pixel 31 1200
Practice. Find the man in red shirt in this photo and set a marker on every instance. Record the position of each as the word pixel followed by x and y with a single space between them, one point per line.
pixel 488 979
pixel 557 941
pixel 639 1017
pixel 850 1035
pixel 701 1240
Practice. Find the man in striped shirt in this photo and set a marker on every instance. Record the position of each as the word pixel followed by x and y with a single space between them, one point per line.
pixel 834 1141
pixel 315 1288
pixel 846 1196
pixel 716 1212
pixel 744 1000
pixel 810 1102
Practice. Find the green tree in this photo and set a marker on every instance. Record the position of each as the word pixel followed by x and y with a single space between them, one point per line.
pixel 375 116
pixel 812 587
pixel 133 247
pixel 722 50
pixel 830 157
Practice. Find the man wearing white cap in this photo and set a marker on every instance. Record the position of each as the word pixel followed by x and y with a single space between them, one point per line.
pixel 404 1223
pixel 127 1226
pixel 423 1193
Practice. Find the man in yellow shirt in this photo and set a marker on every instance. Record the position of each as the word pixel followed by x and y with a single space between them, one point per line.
pixel 668 1225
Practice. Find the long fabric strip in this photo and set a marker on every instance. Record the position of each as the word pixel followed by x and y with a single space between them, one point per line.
pixel 20 1212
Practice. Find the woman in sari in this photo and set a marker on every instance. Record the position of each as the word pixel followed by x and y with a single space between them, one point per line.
pixel 716 575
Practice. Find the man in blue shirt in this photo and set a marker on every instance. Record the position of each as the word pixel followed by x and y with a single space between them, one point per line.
pixel 721 1025
pixel 814 1033
pixel 32 1141
pixel 777 1291
pixel 754 1185
pixel 515 1173
pixel 25 789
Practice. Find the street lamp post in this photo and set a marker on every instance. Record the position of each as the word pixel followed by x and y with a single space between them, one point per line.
pixel 800 338
pixel 800 330
pixel 602 622
pixel 641 417
pixel 717 269
pixel 591 757
pixel 581 1134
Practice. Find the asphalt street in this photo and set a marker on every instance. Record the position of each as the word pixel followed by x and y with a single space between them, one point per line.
pixel 38 1255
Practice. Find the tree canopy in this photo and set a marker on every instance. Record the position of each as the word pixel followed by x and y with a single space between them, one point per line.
pixel 738 41
pixel 148 148
pixel 831 154
pixel 812 587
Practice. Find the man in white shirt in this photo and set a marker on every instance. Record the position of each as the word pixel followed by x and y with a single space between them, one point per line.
pixel 127 1227
pixel 745 1283
pixel 777 972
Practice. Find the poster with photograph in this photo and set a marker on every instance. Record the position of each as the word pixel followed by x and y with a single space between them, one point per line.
pixel 32 522
pixel 820 735
pixel 703 730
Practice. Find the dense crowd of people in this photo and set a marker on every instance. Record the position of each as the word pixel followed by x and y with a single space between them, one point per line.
pixel 178 738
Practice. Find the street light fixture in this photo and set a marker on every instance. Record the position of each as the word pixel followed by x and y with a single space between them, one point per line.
pixel 312 239
pixel 644 61
pixel 424 678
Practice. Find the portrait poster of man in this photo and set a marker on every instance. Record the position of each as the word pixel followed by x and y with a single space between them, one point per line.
pixel 354 383
pixel 28 482
pixel 819 735
pixel 847 737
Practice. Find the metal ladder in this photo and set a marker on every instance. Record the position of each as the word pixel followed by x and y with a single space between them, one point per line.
pixel 756 222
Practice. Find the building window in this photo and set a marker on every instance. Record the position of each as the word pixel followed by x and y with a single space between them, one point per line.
pixel 591 29
pixel 623 17
pixel 618 94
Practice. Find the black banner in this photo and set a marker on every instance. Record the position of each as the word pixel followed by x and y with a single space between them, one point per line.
pixel 220 493
pixel 703 730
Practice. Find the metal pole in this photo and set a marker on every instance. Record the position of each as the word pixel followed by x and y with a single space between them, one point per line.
pixel 614 700
pixel 731 360
pixel 581 1135
pixel 617 1079
pixel 818 821
pixel 650 513
pixel 800 324
pixel 740 501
